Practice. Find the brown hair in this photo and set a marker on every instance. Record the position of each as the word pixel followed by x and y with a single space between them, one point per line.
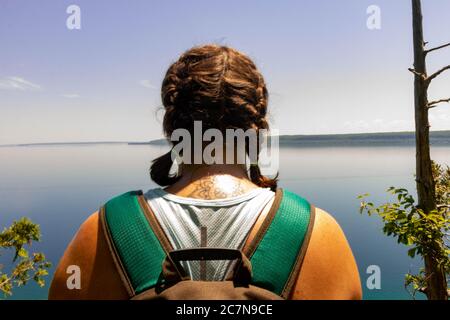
pixel 220 87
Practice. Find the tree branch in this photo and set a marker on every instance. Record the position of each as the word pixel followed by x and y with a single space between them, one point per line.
pixel 421 75
pixel 434 75
pixel 437 48
pixel 433 104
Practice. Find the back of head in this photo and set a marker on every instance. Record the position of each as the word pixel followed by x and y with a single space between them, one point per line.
pixel 222 88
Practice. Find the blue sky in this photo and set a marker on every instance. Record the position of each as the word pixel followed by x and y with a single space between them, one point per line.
pixel 326 71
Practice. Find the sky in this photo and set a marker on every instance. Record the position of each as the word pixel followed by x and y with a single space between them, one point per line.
pixel 326 71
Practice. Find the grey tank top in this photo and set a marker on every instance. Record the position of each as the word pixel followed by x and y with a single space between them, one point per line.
pixel 222 223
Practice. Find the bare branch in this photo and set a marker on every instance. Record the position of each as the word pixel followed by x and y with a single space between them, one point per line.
pixel 437 48
pixel 433 104
pixel 421 75
pixel 434 75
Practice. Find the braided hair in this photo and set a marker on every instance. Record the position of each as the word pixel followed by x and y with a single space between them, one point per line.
pixel 222 88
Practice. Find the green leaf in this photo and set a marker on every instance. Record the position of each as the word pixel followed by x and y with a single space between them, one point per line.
pixel 412 252
pixel 22 253
pixel 23 269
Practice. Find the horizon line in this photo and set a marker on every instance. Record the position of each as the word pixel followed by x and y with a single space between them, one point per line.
pixel 162 138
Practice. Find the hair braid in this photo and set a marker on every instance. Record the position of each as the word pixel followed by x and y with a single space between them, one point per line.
pixel 220 87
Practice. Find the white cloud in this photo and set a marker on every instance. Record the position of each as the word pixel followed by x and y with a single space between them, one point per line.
pixel 439 120
pixel 359 125
pixel 147 84
pixel 379 125
pixel 440 117
pixel 440 113
pixel 18 83
pixel 70 95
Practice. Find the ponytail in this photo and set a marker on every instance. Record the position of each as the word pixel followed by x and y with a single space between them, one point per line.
pixel 260 180
pixel 160 168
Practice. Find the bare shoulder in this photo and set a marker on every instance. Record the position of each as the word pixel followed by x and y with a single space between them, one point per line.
pixel 329 270
pixel 89 253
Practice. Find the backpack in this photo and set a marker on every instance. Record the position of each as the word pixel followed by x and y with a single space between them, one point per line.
pixel 267 269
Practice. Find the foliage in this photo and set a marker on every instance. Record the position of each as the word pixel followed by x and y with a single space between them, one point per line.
pixel 426 233
pixel 25 267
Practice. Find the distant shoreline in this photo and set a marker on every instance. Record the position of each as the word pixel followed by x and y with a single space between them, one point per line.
pixel 441 138
pixel 64 143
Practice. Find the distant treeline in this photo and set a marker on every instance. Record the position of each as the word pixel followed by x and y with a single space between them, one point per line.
pixel 441 138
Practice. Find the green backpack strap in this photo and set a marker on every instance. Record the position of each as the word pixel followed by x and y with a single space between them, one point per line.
pixel 134 240
pixel 139 246
pixel 282 243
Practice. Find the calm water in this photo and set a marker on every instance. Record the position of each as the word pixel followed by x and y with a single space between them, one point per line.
pixel 60 186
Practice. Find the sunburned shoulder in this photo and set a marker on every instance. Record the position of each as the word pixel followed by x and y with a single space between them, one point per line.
pixel 88 255
pixel 329 270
